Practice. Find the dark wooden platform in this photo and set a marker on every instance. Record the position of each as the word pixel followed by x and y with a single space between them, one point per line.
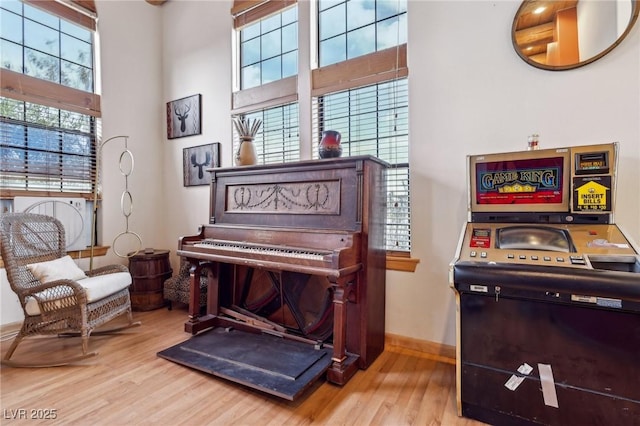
pixel 272 364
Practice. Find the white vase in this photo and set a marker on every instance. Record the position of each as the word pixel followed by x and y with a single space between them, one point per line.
pixel 246 154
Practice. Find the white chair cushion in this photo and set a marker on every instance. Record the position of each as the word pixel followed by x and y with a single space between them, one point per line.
pixel 58 269
pixel 97 288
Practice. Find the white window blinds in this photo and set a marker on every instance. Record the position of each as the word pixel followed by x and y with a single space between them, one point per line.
pixel 373 120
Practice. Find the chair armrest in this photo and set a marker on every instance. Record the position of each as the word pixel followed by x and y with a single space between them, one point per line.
pixel 56 295
pixel 109 269
pixel 74 287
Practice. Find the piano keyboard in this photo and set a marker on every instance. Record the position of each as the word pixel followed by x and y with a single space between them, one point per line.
pixel 291 252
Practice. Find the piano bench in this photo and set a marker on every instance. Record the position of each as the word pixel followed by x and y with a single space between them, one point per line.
pixel 176 289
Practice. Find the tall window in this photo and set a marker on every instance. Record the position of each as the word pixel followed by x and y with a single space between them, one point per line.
pixel 358 87
pixel 373 120
pixel 268 66
pixel 48 111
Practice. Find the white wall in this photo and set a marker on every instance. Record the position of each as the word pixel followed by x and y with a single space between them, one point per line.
pixel 470 93
pixel 132 105
pixel 196 59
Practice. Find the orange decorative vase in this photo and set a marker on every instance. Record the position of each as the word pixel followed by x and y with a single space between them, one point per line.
pixel 329 146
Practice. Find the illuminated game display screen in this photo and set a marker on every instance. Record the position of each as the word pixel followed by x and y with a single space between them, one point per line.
pixel 531 181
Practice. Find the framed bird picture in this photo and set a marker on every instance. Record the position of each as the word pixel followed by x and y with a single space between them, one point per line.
pixel 196 160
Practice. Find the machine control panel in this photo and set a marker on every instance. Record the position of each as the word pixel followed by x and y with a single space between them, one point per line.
pixel 548 244
pixel 511 257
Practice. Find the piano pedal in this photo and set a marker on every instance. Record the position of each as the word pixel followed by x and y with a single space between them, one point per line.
pixel 228 329
pixel 318 346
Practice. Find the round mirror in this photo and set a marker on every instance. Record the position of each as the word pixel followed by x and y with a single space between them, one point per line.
pixel 561 35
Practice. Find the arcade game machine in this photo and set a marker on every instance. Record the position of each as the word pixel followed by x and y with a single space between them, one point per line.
pixel 547 291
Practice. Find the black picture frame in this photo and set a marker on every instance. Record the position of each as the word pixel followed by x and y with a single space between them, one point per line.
pixel 195 161
pixel 184 117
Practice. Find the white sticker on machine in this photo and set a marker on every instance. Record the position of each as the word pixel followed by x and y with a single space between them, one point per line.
pixel 548 385
pixel 515 381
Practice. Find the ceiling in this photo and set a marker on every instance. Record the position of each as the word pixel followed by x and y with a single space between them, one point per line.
pixel 533 31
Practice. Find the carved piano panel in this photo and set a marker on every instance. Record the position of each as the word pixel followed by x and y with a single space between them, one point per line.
pixel 297 250
pixel 314 195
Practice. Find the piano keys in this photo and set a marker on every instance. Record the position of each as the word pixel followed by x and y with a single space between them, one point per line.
pixel 259 246
pixel 297 247
pixel 249 249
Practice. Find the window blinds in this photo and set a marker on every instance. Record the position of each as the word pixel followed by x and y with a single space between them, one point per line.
pixel 373 120
pixel 45 150
pixel 247 11
pixel 48 130
pixel 278 139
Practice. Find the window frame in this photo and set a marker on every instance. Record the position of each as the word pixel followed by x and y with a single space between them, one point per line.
pixel 54 158
pixel 262 139
pixel 272 37
pixel 25 88
pixel 354 108
pixel 313 81
pixel 348 32
pixel 264 98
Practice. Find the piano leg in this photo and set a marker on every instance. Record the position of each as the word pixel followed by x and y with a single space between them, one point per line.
pixel 196 322
pixel 344 365
pixel 194 291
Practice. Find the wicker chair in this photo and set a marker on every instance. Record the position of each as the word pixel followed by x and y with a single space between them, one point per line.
pixel 56 296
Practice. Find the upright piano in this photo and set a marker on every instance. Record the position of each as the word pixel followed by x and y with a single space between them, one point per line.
pixel 295 259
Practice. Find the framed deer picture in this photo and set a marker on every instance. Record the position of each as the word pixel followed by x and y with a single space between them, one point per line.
pixel 196 160
pixel 184 117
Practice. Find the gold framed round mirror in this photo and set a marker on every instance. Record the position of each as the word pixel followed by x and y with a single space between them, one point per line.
pixel 560 35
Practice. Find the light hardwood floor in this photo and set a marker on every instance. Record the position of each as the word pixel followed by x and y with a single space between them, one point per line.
pixel 128 384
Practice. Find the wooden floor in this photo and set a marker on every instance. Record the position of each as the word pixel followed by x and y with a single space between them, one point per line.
pixel 128 384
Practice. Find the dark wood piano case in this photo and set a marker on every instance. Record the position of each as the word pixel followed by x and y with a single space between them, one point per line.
pixel 314 224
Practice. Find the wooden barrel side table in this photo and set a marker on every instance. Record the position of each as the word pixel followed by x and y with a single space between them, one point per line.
pixel 149 270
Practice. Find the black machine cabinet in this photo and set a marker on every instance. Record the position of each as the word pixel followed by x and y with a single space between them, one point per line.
pixel 593 350
pixel 547 291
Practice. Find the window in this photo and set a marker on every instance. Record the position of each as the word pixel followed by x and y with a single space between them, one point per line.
pixel 268 66
pixel 48 111
pixel 373 120
pixel 358 86
pixel 269 49
pixel 278 140
pixel 45 149
pixel 360 89
pixel 41 45
pixel 348 29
